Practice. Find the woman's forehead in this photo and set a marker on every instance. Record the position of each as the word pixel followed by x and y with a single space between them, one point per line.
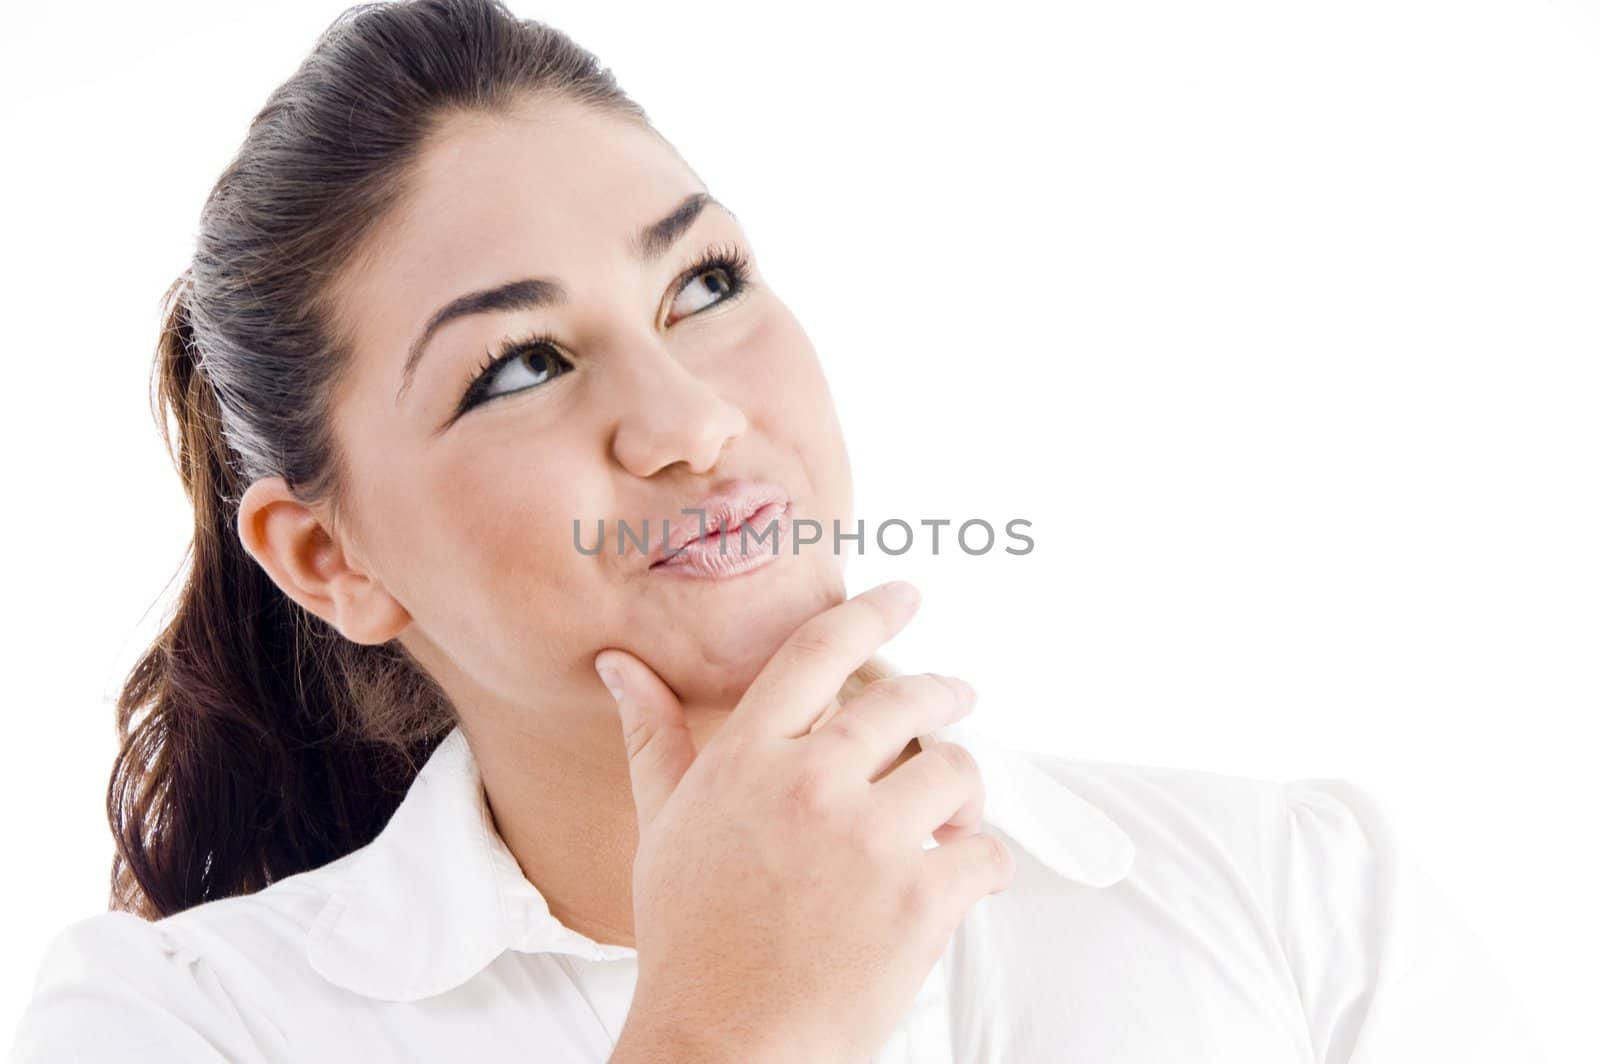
pixel 560 194
pixel 567 168
pixel 547 190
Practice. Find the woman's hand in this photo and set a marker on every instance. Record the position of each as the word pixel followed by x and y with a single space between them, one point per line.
pixel 784 908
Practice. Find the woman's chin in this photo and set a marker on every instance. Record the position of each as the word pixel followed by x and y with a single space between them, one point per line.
pixel 722 650
pixel 731 653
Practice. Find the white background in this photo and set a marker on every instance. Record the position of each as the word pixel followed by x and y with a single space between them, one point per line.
pixel 1279 322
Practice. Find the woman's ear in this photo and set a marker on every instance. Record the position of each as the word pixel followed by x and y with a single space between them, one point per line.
pixel 315 569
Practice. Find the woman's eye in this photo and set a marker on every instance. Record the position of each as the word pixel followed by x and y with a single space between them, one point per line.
pixel 722 275
pixel 532 365
pixel 720 286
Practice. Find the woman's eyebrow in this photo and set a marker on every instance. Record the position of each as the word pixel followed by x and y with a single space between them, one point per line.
pixel 651 242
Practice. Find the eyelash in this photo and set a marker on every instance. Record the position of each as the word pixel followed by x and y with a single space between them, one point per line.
pixel 729 258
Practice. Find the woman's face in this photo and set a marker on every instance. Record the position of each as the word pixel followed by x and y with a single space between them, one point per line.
pixel 661 387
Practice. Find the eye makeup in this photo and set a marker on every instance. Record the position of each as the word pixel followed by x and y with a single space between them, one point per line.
pixel 725 259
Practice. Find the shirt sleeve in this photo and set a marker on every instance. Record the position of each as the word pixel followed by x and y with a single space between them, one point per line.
pixel 117 987
pixel 1387 970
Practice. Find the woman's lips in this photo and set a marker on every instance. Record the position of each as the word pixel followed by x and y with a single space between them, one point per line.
pixel 730 505
pixel 756 542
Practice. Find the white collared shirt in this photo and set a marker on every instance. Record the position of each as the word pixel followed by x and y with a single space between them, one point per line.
pixel 1157 916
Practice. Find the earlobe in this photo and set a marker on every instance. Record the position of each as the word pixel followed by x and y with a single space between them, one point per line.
pixel 293 546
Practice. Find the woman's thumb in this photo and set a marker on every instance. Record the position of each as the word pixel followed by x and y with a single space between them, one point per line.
pixel 660 746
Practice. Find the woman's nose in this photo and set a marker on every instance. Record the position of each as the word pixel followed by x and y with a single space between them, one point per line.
pixel 671 415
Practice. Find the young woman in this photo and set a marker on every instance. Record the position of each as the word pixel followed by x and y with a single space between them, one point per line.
pixel 414 773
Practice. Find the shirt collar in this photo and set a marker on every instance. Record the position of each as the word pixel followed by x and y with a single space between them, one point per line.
pixel 437 896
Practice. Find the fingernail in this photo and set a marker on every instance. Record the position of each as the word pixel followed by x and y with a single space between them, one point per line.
pixel 612 680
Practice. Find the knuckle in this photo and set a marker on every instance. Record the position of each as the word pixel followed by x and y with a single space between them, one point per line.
pixel 959 758
pixel 895 690
pixel 815 642
pixel 636 739
pixel 855 731
pixel 999 854
pixel 806 792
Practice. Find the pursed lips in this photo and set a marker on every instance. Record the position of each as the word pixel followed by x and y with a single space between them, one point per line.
pixel 729 508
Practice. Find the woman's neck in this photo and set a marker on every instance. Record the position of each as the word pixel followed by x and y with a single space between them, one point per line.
pixel 561 797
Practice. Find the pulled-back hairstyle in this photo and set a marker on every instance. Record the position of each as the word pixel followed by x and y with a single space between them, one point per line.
pixel 255 740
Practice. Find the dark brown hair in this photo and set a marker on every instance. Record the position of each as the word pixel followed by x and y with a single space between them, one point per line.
pixel 256 741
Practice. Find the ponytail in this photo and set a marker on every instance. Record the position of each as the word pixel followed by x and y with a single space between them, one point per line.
pixel 246 749
pixel 255 740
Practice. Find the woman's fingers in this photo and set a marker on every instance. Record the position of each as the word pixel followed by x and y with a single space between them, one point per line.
pixel 797 682
pixel 939 785
pixel 873 728
pixel 974 865
pixel 659 745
